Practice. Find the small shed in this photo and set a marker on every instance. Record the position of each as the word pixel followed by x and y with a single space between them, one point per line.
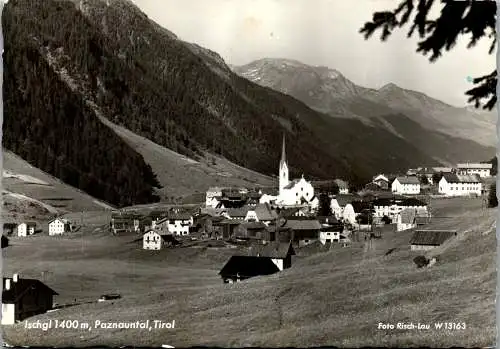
pixel 429 239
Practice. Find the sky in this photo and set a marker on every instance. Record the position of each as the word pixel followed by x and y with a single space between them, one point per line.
pixel 321 33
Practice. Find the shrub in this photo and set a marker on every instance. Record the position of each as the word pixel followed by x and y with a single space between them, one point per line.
pixel 420 261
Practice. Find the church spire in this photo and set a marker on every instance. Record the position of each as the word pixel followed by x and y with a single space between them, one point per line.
pixel 283 152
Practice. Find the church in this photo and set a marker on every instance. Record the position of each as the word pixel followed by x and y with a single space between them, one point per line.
pixel 296 191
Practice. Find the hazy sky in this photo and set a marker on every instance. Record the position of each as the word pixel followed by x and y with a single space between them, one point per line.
pixel 321 32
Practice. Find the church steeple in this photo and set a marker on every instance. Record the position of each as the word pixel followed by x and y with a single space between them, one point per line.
pixel 283 153
pixel 283 170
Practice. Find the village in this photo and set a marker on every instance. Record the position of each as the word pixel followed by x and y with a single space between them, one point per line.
pixel 269 225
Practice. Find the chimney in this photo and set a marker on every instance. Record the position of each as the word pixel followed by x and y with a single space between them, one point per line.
pixel 7 284
pixel 15 277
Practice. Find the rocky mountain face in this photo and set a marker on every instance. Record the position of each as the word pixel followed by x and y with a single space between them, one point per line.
pixel 328 90
pixel 72 67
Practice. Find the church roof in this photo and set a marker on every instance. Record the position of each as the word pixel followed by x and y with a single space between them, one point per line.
pixel 283 153
pixel 291 184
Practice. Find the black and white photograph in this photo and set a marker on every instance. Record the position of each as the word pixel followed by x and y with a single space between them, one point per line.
pixel 249 173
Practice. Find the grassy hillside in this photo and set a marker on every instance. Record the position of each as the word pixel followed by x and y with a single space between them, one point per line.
pixel 334 297
pixel 30 192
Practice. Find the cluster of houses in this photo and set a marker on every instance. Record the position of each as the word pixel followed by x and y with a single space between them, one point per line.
pixel 465 179
pixel 56 226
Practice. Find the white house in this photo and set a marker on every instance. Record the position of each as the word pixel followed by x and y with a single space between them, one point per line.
pixel 460 185
pixel 406 219
pixel 348 214
pixel 293 192
pixel 59 226
pixel 153 240
pixel 280 253
pixel 25 229
pixel 328 235
pixel 391 207
pixel 382 181
pixel 338 203
pixel 213 196
pixel 482 170
pixel 175 223
pixel 406 185
pixel 268 199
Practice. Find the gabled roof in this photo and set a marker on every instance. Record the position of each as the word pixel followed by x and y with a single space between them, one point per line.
pixel 238 212
pixel 273 250
pixel 344 199
pixel 431 237
pixel 380 177
pixel 288 212
pixel 264 212
pixel 28 223
pixel 63 220
pixel 454 178
pixel 408 180
pixel 248 266
pixel 178 216
pixel 292 184
pixel 17 289
pixel 426 171
pixel 475 166
pixel 302 224
pixel 408 216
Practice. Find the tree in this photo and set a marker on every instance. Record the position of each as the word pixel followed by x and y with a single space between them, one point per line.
pixel 492 196
pixel 473 17
pixel 324 208
pixel 424 180
pixel 436 177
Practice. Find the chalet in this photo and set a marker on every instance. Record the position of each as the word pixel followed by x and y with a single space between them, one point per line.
pixel 460 185
pixel 125 222
pixel 330 233
pixel 232 199
pixel 301 232
pixel 22 298
pixel 261 213
pixel 343 186
pixel 406 219
pixel 153 240
pixel 427 173
pixel 254 230
pixel 229 227
pixel 372 186
pixel 470 169
pixel 5 241
pixel 382 181
pixel 443 169
pixel 175 223
pixel 240 268
pixel 9 228
pixel 406 185
pixel 237 213
pixel 59 226
pixel 26 228
pixel 253 198
pixel 280 253
pixel 429 239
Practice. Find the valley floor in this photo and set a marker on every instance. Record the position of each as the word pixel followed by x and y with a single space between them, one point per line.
pixel 333 297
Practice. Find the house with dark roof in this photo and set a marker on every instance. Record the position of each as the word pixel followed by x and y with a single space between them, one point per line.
pixel 239 213
pixel 177 223
pixel 452 184
pixel 406 219
pixel 301 232
pixel 406 185
pixel 253 230
pixel 122 222
pixel 240 268
pixel 382 181
pixel 22 298
pixel 343 186
pixel 280 253
pixel 429 239
pixel 261 213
